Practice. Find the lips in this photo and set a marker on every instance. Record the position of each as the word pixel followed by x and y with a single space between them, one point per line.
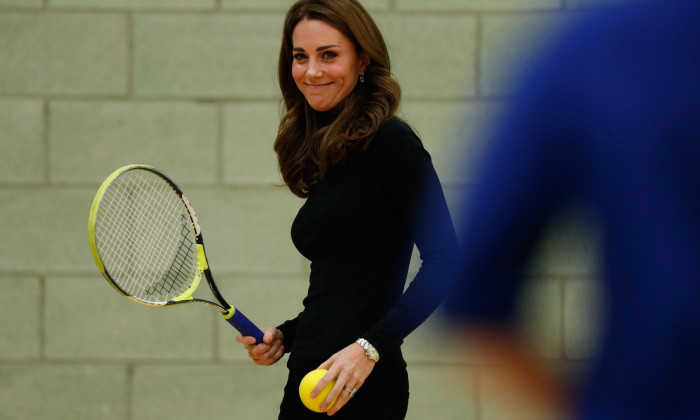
pixel 317 86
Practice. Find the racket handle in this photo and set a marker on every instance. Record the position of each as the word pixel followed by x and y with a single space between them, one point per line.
pixel 243 324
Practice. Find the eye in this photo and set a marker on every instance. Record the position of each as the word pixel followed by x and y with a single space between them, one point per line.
pixel 299 57
pixel 329 55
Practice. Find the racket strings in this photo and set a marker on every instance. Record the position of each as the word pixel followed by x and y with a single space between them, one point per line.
pixel 178 275
pixel 146 238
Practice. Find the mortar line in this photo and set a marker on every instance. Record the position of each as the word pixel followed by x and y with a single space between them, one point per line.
pixel 130 391
pixel 477 56
pixel 42 317
pixel 46 126
pixel 220 144
pixel 130 55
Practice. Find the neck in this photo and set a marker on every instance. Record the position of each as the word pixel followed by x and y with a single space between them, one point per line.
pixel 324 118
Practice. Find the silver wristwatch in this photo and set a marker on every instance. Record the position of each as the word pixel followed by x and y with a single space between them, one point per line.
pixel 370 351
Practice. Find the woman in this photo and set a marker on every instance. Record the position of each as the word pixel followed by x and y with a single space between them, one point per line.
pixel 371 194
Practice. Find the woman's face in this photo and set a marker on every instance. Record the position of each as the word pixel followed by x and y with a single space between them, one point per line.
pixel 326 65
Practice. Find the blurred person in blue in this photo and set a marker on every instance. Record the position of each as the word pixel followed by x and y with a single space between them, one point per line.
pixel 609 117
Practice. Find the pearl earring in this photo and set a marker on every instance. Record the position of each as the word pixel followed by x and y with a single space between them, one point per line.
pixel 362 78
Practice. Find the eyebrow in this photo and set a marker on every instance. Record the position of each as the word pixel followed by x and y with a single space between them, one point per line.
pixel 321 48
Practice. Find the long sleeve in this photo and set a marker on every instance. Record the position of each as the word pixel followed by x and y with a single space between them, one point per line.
pixel 407 175
pixel 289 331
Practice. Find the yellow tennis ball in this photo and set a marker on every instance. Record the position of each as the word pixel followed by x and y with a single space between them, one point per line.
pixel 307 385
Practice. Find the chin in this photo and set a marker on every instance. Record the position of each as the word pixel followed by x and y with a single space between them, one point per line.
pixel 320 108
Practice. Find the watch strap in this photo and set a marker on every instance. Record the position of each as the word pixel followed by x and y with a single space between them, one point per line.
pixel 370 351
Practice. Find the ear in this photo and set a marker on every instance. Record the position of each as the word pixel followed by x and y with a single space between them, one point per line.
pixel 364 61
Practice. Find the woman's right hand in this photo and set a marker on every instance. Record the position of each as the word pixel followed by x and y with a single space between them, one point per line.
pixel 269 351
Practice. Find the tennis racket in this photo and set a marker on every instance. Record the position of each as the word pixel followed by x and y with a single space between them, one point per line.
pixel 147 243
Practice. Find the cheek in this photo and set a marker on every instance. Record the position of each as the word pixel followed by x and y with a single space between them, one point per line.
pixel 297 74
pixel 349 83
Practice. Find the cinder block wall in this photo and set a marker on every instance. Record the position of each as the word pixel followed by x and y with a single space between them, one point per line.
pixel 189 86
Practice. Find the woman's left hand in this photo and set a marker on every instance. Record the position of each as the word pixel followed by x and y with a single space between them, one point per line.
pixel 350 368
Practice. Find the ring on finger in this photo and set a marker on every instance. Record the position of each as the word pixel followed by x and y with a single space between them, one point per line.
pixel 351 391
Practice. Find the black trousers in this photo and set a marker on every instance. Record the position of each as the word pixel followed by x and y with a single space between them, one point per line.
pixel 383 396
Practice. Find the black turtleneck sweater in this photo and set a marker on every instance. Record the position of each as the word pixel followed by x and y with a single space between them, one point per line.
pixel 358 227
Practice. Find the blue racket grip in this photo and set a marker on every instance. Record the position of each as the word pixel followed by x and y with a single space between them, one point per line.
pixel 243 324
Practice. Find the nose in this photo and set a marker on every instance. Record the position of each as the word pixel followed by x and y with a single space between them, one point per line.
pixel 314 69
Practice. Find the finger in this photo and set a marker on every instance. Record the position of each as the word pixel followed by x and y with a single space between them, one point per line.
pixel 346 378
pixel 267 358
pixel 260 359
pixel 262 363
pixel 325 380
pixel 339 403
pixel 246 340
pixel 277 355
pixel 326 365
pixel 270 336
pixel 338 395
pixel 274 350
pixel 257 351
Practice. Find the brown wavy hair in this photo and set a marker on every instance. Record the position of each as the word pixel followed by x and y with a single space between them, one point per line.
pixel 308 148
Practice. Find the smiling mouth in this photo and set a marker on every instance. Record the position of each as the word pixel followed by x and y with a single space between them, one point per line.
pixel 315 86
